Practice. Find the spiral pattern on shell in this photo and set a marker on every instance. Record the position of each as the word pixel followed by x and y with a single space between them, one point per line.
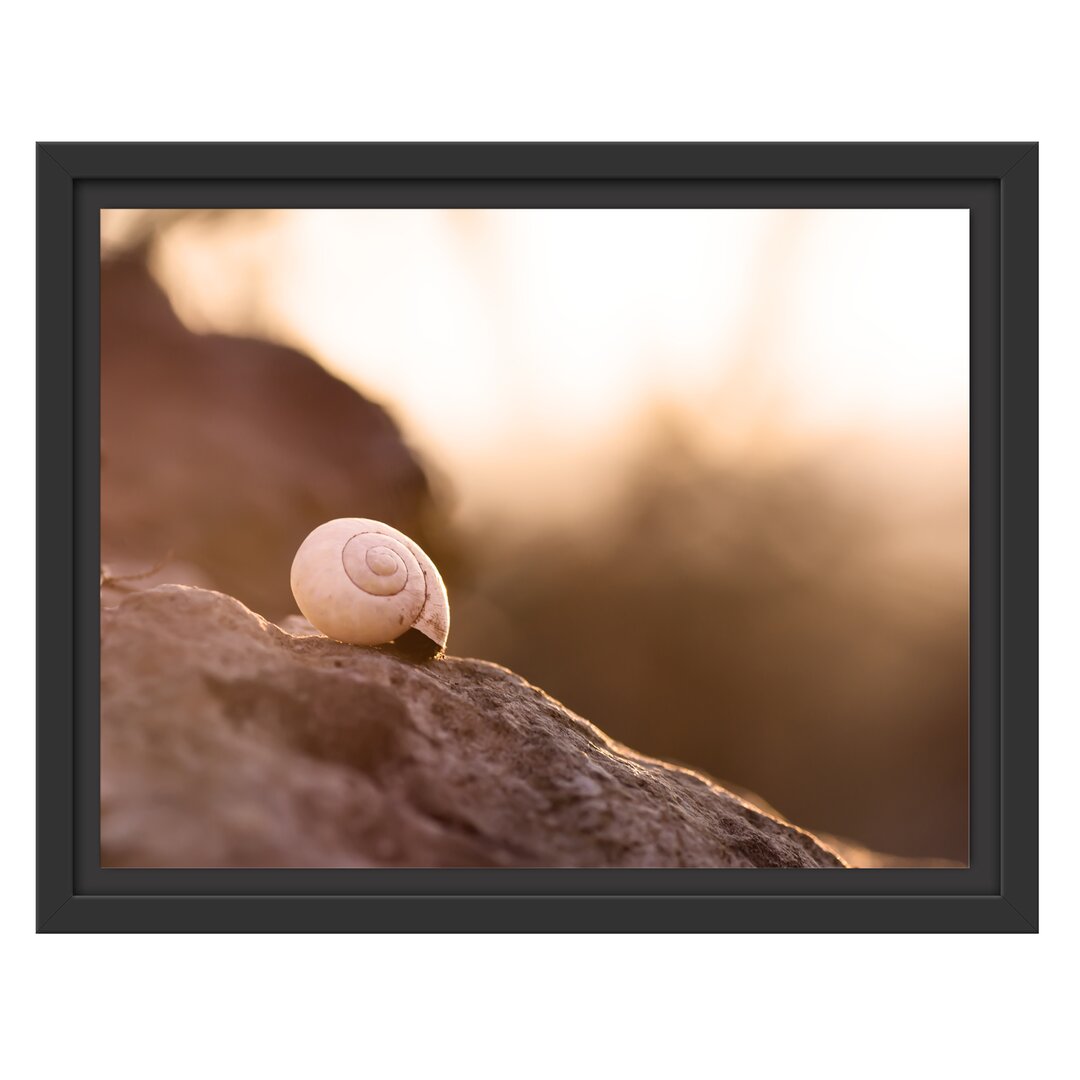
pixel 364 582
pixel 378 564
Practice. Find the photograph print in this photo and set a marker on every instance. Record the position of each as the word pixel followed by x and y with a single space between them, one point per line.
pixel 582 538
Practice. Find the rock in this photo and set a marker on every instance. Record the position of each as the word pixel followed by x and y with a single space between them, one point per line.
pixel 851 851
pixel 222 453
pixel 227 741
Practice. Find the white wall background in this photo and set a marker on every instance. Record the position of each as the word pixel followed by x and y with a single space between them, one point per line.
pixel 770 1007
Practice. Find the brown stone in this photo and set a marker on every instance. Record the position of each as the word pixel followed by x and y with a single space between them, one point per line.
pixel 227 741
pixel 222 453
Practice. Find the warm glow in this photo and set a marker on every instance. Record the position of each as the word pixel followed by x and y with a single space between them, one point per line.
pixel 490 332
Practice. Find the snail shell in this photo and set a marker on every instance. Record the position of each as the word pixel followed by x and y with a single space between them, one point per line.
pixel 366 583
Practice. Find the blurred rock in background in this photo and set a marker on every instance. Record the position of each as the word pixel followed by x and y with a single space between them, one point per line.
pixel 219 454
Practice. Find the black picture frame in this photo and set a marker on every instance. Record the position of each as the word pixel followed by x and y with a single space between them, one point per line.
pixel 997 182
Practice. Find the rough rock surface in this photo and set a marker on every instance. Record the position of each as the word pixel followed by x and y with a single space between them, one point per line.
pixel 222 453
pixel 228 741
pixel 851 851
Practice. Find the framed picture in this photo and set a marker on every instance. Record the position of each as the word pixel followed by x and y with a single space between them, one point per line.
pixel 537 537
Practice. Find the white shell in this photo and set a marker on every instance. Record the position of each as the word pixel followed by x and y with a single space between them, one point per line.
pixel 366 583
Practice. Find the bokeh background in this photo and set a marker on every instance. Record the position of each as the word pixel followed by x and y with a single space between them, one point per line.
pixel 699 474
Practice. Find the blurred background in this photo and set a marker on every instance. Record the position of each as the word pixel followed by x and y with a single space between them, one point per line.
pixel 699 474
